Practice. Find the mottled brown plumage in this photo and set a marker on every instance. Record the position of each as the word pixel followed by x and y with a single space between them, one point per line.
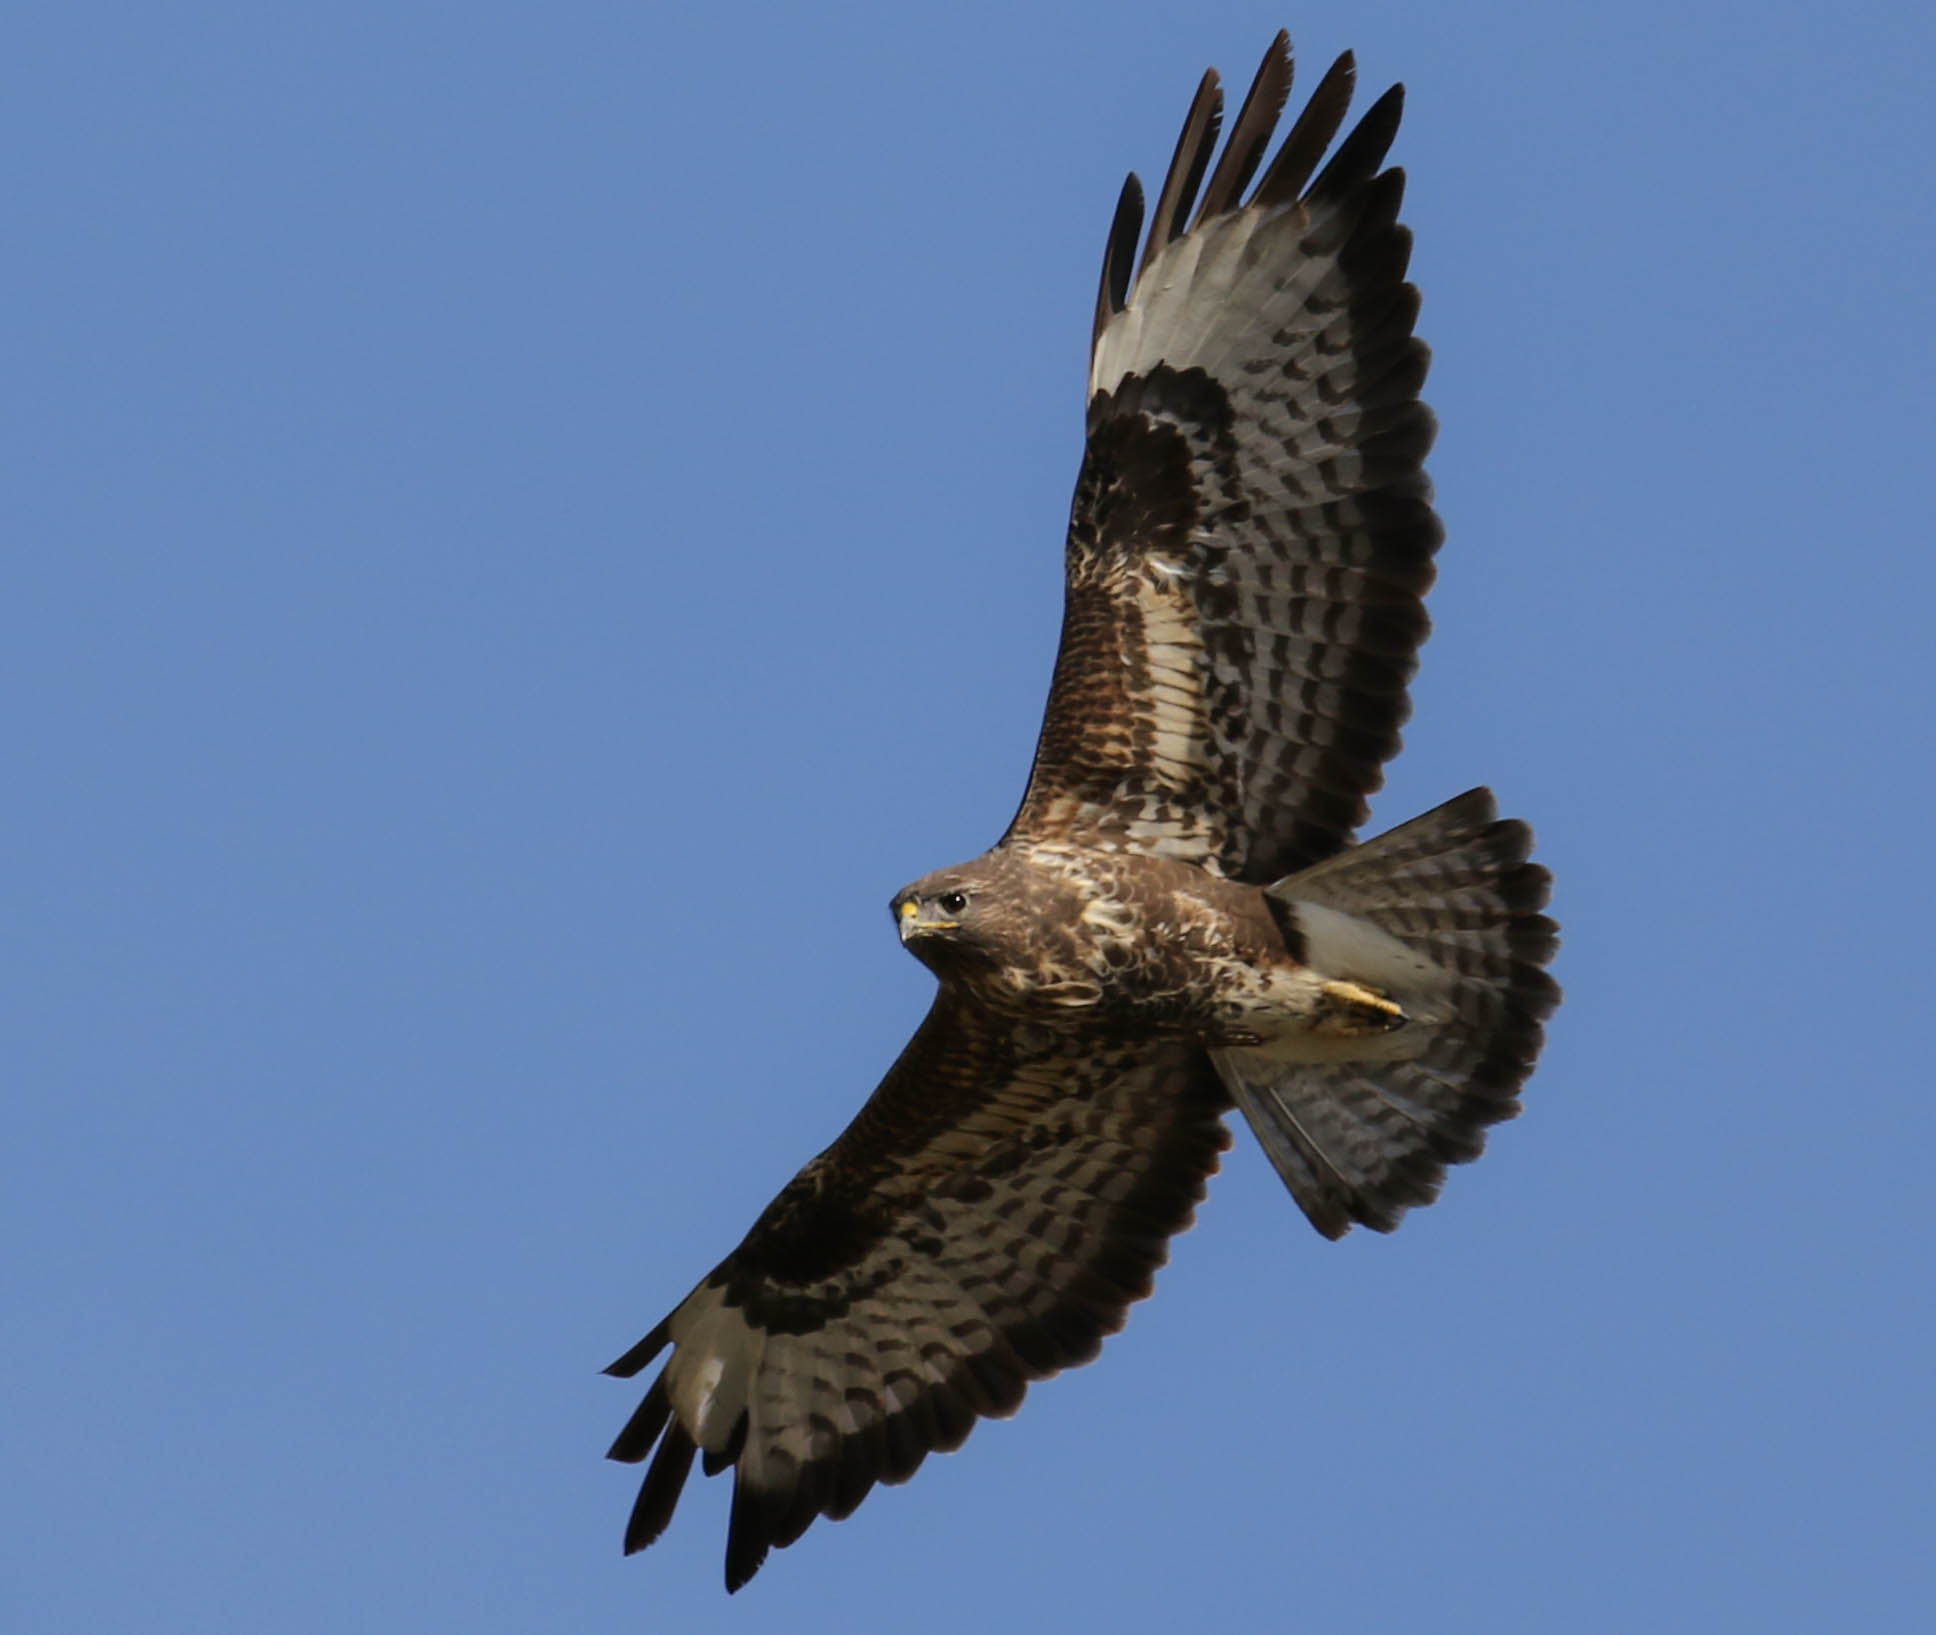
pixel 1178 916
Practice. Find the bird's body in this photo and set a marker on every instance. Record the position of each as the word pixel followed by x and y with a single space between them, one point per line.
pixel 1057 935
pixel 1113 946
pixel 1180 918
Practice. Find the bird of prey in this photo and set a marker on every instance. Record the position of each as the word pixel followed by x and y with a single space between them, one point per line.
pixel 1179 918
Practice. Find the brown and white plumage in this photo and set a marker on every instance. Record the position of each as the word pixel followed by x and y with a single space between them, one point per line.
pixel 985 1221
pixel 1177 915
pixel 1252 532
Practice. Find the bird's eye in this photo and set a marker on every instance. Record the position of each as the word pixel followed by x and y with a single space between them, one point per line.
pixel 952 902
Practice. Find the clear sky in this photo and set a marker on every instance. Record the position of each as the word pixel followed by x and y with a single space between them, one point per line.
pixel 525 525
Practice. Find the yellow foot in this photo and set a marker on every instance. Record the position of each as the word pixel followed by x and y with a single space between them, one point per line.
pixel 1351 1010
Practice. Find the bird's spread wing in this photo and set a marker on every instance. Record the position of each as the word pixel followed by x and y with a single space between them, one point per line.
pixel 985 1220
pixel 1252 530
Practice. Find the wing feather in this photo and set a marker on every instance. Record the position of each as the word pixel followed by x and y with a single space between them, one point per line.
pixel 985 1221
pixel 1310 134
pixel 1252 532
pixel 1193 149
pixel 1250 135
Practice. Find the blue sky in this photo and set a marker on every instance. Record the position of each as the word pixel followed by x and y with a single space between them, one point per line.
pixel 529 524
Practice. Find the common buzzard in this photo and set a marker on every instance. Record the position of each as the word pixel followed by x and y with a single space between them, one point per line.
pixel 1178 917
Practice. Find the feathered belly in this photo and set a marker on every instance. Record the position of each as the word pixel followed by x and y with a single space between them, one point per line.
pixel 1161 975
pixel 1183 975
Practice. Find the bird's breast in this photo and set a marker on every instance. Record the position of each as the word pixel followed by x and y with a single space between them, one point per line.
pixel 1138 944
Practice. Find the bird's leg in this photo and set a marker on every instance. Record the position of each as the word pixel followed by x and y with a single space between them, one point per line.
pixel 1349 1009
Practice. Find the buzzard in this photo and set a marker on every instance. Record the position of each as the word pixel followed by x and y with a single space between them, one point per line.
pixel 1178 918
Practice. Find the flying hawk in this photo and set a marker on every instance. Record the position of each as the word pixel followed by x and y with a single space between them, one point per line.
pixel 1178 917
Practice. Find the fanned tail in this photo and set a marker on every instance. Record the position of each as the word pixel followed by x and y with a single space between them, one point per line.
pixel 1443 916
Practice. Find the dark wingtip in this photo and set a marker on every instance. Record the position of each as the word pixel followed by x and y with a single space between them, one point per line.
pixel 1361 153
pixel 1310 134
pixel 1194 144
pixel 1250 134
pixel 640 1354
pixel 748 1536
pixel 634 1442
pixel 1119 256
pixel 1478 806
pixel 659 1492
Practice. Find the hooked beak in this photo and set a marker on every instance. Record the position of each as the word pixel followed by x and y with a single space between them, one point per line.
pixel 914 923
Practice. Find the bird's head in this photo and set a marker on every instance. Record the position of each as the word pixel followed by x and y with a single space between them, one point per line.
pixel 953 917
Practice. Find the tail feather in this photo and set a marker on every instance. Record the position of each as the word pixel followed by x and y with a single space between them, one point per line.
pixel 1463 950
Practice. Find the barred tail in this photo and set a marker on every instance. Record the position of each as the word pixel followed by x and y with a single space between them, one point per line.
pixel 1443 915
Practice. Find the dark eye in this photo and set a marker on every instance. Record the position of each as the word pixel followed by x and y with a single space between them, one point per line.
pixel 952 902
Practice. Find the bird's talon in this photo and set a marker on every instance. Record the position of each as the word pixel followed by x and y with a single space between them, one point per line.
pixel 1355 1009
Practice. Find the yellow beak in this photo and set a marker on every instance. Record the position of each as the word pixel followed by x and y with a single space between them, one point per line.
pixel 912 925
